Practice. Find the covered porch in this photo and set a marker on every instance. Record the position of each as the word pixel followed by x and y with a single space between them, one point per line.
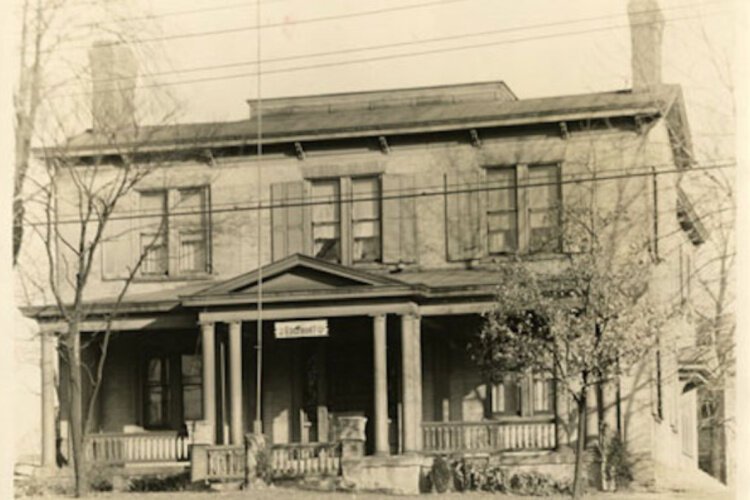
pixel 333 343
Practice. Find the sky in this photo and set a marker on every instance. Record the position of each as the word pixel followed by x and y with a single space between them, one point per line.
pixel 539 48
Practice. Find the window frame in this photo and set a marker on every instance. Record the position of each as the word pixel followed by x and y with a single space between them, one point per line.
pixel 526 398
pixel 173 396
pixel 523 209
pixel 344 203
pixel 173 231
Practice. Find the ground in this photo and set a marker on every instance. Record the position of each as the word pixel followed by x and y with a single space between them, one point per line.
pixel 281 493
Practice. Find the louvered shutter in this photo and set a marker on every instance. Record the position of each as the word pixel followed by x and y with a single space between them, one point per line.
pixel 575 206
pixel 119 243
pixel 465 214
pixel 399 219
pixel 290 219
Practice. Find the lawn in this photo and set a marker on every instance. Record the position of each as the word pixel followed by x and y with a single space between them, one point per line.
pixel 288 493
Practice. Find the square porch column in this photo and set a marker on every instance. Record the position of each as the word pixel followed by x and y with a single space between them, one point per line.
pixel 380 377
pixel 48 398
pixel 208 343
pixel 236 429
pixel 411 367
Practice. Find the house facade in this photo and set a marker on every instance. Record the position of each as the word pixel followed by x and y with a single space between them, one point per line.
pixel 340 276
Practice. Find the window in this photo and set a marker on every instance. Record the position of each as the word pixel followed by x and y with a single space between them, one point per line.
pixel 523 395
pixel 366 219
pixel 327 219
pixel 331 218
pixel 523 209
pixel 174 237
pixel 157 392
pixel 502 212
pixel 172 382
pixel 153 237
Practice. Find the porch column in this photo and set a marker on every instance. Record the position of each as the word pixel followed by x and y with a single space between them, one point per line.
pixel 235 382
pixel 381 385
pixel 48 399
pixel 411 367
pixel 208 342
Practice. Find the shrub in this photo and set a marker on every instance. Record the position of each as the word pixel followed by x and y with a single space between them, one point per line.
pixel 173 482
pixel 99 477
pixel 441 474
pixel 619 463
pixel 263 469
pixel 472 476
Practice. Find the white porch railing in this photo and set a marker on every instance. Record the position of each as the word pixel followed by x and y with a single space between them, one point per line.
pixel 142 447
pixel 488 436
pixel 297 460
pixel 226 462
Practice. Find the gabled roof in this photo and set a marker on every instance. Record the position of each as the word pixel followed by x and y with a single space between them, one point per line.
pixel 299 277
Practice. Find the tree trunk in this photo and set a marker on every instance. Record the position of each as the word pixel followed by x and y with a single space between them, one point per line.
pixel 717 437
pixel 73 344
pixel 580 446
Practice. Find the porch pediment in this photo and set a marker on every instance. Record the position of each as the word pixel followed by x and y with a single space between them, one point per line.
pixel 296 276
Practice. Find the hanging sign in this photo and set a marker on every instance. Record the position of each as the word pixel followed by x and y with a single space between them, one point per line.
pixel 299 329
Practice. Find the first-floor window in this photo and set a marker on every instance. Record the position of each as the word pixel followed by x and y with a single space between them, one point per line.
pixel 173 388
pixel 157 392
pixel 522 394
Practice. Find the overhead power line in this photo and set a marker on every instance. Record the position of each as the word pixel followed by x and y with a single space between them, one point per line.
pixel 437 190
pixel 280 24
pixel 380 58
pixel 407 43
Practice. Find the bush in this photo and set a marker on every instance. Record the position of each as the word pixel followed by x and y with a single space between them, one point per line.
pixel 472 476
pixel 440 474
pixel 263 469
pixel 100 477
pixel 619 463
pixel 173 482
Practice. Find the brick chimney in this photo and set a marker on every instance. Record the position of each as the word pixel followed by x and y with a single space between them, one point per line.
pixel 646 26
pixel 114 71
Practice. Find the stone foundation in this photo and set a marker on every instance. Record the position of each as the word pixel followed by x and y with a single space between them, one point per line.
pixel 391 474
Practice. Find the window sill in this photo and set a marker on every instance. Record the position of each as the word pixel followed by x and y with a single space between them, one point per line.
pixel 167 278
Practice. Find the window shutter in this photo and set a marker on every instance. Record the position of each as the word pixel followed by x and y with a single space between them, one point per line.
pixel 399 219
pixel 291 225
pixel 465 214
pixel 575 205
pixel 119 248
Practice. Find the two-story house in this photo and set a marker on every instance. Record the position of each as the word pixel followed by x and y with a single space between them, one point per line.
pixel 343 272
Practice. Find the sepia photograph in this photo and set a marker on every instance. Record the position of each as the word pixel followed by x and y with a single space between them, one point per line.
pixel 307 249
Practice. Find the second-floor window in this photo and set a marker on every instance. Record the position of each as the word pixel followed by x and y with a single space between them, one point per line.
pixel 174 235
pixel 523 209
pixel 333 216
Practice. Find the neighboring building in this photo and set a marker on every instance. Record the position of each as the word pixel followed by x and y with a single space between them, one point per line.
pixel 377 257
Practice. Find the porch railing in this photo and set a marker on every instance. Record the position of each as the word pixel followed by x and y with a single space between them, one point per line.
pixel 226 462
pixel 142 447
pixel 296 460
pixel 488 436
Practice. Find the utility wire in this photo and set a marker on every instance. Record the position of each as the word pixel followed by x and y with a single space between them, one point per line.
pixel 280 24
pixel 414 193
pixel 211 67
pixel 379 58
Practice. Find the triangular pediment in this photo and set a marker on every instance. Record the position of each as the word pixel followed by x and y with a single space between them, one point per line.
pixel 298 273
